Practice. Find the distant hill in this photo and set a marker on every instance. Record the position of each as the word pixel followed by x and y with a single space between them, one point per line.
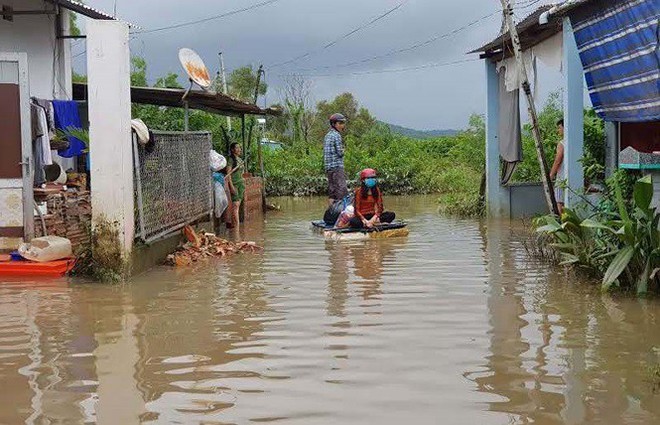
pixel 419 134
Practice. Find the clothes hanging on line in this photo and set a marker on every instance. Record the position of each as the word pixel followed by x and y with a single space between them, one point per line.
pixel 41 152
pixel 551 52
pixel 47 105
pixel 509 135
pixel 66 116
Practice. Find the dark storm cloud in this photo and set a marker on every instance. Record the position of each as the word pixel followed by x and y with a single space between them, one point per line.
pixel 429 98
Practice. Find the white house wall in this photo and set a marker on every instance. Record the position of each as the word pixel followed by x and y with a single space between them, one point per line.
pixel 49 59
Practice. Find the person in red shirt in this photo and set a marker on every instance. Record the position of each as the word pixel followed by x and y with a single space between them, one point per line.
pixel 369 210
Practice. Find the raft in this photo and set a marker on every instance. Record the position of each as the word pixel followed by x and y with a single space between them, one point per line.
pixel 383 231
pixel 57 268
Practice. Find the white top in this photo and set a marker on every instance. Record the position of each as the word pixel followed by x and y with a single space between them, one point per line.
pixel 561 173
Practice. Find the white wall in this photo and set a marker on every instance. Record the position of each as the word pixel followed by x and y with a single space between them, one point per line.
pixel 49 59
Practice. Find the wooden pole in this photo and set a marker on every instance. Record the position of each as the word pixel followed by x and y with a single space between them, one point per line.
pixel 545 173
pixel 224 85
pixel 245 154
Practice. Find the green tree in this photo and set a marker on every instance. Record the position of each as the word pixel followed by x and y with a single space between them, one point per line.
pixel 360 120
pixel 242 83
pixel 138 72
pixel 170 81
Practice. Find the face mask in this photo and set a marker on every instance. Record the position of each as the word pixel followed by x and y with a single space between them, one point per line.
pixel 370 183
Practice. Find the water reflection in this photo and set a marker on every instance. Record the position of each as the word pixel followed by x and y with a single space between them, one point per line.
pixel 195 336
pixel 452 325
pixel 557 348
pixel 362 263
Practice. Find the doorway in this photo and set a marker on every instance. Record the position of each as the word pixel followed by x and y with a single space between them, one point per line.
pixel 16 174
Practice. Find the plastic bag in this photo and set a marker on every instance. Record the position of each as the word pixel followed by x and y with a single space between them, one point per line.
pixel 345 217
pixel 47 248
pixel 218 162
pixel 332 213
pixel 221 201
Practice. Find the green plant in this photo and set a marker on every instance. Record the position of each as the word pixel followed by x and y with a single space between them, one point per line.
pixel 78 133
pixel 622 245
pixel 637 261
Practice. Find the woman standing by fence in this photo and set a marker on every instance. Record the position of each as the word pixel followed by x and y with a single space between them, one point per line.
pixel 236 182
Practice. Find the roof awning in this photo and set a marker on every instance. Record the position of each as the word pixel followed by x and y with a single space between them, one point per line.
pixel 214 103
pixel 83 9
pixel 530 31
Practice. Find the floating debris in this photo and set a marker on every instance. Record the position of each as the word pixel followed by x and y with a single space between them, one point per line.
pixel 205 245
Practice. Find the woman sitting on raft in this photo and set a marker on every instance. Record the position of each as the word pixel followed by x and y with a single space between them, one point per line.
pixel 369 203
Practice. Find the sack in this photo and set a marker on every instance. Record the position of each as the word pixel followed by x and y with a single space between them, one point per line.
pixel 345 217
pixel 221 201
pixel 218 162
pixel 47 248
pixel 332 213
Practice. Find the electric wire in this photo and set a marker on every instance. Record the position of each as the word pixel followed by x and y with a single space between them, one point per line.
pixel 211 18
pixel 342 37
pixel 408 48
pixel 387 71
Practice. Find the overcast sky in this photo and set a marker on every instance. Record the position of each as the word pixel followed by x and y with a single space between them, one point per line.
pixel 428 98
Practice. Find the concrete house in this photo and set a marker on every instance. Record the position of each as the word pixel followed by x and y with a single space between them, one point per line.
pixel 609 46
pixel 35 62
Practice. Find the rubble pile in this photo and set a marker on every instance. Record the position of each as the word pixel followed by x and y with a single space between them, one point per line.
pixel 205 245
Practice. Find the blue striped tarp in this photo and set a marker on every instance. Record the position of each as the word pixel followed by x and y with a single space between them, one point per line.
pixel 619 44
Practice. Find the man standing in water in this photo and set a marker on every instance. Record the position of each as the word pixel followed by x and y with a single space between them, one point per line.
pixel 333 156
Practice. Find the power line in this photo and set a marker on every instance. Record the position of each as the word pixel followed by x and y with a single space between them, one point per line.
pixel 211 18
pixel 343 37
pixel 388 71
pixel 408 48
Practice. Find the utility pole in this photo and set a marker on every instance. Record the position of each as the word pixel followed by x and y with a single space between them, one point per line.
pixel 256 89
pixel 224 85
pixel 517 49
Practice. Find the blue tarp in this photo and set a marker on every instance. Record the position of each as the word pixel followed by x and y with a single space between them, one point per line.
pixel 618 41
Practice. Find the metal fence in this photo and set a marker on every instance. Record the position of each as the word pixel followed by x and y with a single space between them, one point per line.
pixel 172 183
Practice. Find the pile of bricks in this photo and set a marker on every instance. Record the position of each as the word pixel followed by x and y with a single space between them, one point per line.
pixel 69 214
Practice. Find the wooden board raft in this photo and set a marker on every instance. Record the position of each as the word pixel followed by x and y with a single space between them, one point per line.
pixel 384 231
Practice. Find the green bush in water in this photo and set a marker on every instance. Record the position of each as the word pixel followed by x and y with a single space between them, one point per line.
pixel 623 246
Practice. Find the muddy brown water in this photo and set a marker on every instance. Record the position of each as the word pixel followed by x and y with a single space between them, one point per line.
pixel 452 325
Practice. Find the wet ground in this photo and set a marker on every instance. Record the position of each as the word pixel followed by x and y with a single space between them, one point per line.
pixel 452 325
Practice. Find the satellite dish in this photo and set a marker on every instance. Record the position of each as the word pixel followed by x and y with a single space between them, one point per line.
pixel 195 68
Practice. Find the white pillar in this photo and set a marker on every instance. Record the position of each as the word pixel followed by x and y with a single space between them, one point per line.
pixel 111 153
pixel 573 116
pixel 497 197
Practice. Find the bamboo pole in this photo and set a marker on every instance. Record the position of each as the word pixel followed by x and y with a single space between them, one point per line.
pixel 540 152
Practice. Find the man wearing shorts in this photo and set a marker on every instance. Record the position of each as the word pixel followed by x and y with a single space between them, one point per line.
pixel 333 156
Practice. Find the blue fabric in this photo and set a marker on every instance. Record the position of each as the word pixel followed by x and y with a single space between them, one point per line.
pixel 66 116
pixel 333 150
pixel 370 183
pixel 618 41
pixel 219 178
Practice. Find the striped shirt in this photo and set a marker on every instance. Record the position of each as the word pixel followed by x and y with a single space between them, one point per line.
pixel 333 150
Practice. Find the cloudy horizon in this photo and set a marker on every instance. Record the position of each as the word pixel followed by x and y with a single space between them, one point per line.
pixel 431 97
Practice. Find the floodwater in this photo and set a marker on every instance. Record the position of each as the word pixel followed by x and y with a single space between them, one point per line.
pixel 452 325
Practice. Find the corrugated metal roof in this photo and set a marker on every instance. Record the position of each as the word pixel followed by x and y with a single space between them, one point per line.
pixel 567 6
pixel 529 30
pixel 209 102
pixel 85 10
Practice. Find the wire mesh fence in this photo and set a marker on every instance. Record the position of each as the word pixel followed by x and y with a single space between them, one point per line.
pixel 172 182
